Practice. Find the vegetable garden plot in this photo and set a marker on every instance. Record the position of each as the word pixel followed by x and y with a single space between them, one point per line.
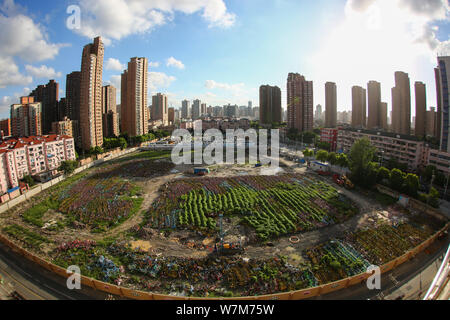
pixel 272 205
pixel 386 242
pixel 335 260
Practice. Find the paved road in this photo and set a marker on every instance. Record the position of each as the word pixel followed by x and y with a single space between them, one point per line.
pixel 33 282
pixel 402 279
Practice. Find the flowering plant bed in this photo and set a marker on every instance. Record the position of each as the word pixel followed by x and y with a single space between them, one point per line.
pixel 99 202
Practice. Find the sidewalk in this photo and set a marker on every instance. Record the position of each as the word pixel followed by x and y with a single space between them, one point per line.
pixel 417 287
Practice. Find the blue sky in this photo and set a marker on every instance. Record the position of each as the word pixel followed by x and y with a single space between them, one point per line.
pixel 222 51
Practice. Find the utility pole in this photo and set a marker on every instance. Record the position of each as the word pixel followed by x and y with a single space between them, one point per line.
pixel 446 185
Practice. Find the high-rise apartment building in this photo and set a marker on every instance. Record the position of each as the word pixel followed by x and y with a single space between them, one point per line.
pixel 270 104
pixel 171 115
pixel 330 105
pixel 109 107
pixel 196 109
pixel 384 116
pixel 65 127
pixel 203 109
pixel 91 121
pixel 431 119
pixel 26 118
pixel 5 128
pixel 442 83
pixel 300 103
pixel 374 105
pixel 48 95
pixel 185 109
pixel 73 94
pixel 421 109
pixel 438 126
pixel 160 110
pixel 359 107
pixel 318 113
pixel 133 102
pixel 401 104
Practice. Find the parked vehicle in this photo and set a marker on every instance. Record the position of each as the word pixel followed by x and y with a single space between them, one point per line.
pixel 201 171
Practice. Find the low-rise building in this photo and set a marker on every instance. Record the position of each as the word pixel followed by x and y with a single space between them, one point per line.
pixel 403 148
pixel 32 156
pixel 329 135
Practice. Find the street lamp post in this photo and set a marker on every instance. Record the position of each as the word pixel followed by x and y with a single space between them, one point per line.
pixel 446 185
pixel 431 186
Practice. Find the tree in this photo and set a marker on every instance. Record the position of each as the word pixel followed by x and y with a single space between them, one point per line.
pixel 324 146
pixel 322 155
pixel 308 153
pixel 360 157
pixel 428 172
pixel 68 167
pixel 123 143
pixel 343 161
pixel 29 180
pixel 433 198
pixel 397 179
pixel 383 174
pixel 412 184
pixel 332 158
pixel 371 174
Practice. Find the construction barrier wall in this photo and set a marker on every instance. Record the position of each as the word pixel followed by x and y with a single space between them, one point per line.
pixel 294 295
pixel 141 295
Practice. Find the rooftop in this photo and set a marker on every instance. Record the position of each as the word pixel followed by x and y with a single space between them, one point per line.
pixel 384 134
pixel 16 143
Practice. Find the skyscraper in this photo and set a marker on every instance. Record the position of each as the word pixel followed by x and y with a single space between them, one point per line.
pixel 384 116
pixel 26 118
pixel 91 124
pixel 171 115
pixel 185 109
pixel 421 109
pixel 438 126
pixel 48 95
pixel 196 109
pixel 300 102
pixel 73 94
pixel 203 109
pixel 160 110
pixel 430 129
pixel 374 105
pixel 269 104
pixel 401 104
pixel 318 113
pixel 109 107
pixel 133 100
pixel 359 106
pixel 443 75
pixel 330 105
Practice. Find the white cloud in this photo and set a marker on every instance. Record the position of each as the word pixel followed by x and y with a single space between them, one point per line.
pixel 172 62
pixel 153 64
pixel 10 74
pixel 117 19
pixel 159 80
pixel 375 39
pixel 7 101
pixel 21 37
pixel 225 93
pixel 43 72
pixel 115 81
pixel 114 64
pixel 236 89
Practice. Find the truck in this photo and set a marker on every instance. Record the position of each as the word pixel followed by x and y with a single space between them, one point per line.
pixel 201 171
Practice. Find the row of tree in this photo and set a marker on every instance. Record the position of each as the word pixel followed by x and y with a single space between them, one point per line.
pixel 366 173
